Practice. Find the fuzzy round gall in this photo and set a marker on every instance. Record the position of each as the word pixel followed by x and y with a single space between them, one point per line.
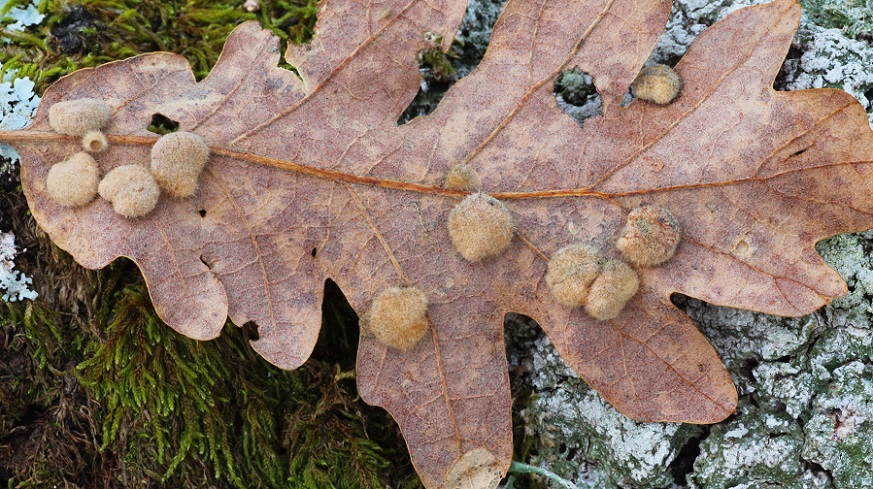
pixel 131 189
pixel 571 271
pixel 94 142
pixel 657 84
pixel 178 159
pixel 77 117
pixel 650 236
pixel 611 290
pixel 73 183
pixel 480 226
pixel 398 317
pixel 461 177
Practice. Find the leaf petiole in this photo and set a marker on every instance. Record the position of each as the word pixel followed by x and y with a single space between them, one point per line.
pixel 523 468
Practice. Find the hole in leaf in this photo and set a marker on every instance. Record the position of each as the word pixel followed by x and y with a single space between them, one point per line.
pixel 577 96
pixel 314 252
pixel 250 330
pixel 202 212
pixel 798 153
pixel 203 261
pixel 288 66
pixel 162 124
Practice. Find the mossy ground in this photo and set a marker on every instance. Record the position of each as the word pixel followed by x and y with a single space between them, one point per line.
pixel 96 391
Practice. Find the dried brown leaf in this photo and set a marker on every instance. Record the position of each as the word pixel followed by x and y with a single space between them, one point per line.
pixel 313 179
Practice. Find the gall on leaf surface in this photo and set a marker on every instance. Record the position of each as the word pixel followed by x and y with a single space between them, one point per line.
pixel 311 178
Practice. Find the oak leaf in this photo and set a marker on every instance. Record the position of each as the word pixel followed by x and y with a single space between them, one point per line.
pixel 311 178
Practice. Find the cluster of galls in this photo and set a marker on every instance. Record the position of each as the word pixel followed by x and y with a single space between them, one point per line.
pixel 578 275
pixel 177 159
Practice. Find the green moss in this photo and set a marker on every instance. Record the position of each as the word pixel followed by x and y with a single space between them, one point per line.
pixel 438 64
pixel 150 408
pixel 92 32
pixel 574 86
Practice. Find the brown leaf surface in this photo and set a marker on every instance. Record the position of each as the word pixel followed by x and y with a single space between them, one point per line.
pixel 313 179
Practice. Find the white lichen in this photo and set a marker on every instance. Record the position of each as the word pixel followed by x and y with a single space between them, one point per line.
pixel 18 18
pixel 13 283
pixel 18 103
pixel 832 60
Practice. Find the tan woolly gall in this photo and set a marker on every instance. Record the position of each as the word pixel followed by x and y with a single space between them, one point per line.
pixel 73 183
pixel 94 142
pixel 571 271
pixel 398 317
pixel 658 84
pixel 650 236
pixel 480 226
pixel 178 159
pixel 611 290
pixel 131 189
pixel 461 177
pixel 77 117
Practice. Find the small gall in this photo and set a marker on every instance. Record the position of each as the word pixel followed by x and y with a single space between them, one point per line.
pixel 461 177
pixel 571 271
pixel 611 290
pixel 650 236
pixel 73 183
pixel 77 117
pixel 480 226
pixel 398 317
pixel 178 159
pixel 131 189
pixel 658 84
pixel 94 142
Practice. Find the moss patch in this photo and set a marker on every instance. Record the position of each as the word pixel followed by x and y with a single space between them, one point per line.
pixel 92 32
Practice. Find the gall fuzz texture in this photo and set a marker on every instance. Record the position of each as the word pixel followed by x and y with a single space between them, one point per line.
pixel 94 142
pixel 131 189
pixel 178 159
pixel 571 271
pixel 398 317
pixel 73 183
pixel 77 117
pixel 658 84
pixel 480 226
pixel 611 290
pixel 650 236
pixel 461 177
